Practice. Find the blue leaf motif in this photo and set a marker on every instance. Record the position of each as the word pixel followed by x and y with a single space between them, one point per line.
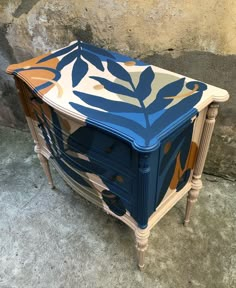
pixel 113 87
pixel 177 111
pixel 93 59
pixel 96 50
pixel 66 60
pixel 142 123
pixel 144 86
pixel 101 116
pixel 80 69
pixel 58 53
pixel 118 71
pixel 171 89
pixel 106 104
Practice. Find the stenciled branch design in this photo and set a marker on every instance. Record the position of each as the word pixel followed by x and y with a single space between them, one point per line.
pixel 141 122
pixel 79 52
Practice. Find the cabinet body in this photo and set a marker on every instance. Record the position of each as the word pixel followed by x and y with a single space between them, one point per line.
pixel 130 137
pixel 108 168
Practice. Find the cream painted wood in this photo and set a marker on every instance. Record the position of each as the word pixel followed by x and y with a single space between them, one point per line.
pixel 200 162
pixel 44 163
pixel 141 236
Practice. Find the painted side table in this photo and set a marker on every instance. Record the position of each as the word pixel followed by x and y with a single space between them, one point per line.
pixel 129 137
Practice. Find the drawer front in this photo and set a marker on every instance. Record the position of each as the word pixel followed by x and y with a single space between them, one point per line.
pixel 92 159
pixel 89 140
pixel 84 139
pixel 84 165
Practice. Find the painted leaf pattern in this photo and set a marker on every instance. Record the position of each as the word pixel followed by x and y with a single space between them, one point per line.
pixel 135 104
pixel 143 123
pixel 118 71
pixel 80 51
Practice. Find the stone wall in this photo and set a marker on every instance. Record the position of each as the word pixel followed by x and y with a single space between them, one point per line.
pixel 196 38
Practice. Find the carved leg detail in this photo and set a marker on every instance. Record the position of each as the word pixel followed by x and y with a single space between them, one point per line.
pixel 44 163
pixel 192 198
pixel 141 236
pixel 201 158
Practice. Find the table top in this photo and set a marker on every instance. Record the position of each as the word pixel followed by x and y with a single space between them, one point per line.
pixel 138 102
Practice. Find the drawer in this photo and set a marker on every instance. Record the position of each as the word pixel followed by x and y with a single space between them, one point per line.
pixel 86 139
pixel 95 187
pixel 101 178
pixel 89 140
pixel 114 179
pixel 96 176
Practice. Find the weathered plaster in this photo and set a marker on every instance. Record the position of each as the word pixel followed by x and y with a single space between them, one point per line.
pixel 24 7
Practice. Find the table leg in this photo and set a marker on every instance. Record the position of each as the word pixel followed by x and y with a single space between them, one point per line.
pixel 192 198
pixel 45 165
pixel 141 236
pixel 201 158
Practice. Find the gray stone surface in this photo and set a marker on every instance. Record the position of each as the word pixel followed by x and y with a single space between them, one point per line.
pixel 54 238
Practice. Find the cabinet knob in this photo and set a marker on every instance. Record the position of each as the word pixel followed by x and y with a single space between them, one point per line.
pixel 32 98
pixel 36 99
pixel 109 149
pixel 118 178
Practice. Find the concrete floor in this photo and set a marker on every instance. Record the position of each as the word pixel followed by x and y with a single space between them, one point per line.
pixel 53 238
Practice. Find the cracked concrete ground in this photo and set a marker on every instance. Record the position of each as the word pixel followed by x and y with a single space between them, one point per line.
pixel 54 238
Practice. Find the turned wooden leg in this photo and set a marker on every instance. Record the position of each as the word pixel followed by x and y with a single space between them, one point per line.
pixel 201 158
pixel 141 236
pixel 192 198
pixel 44 163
